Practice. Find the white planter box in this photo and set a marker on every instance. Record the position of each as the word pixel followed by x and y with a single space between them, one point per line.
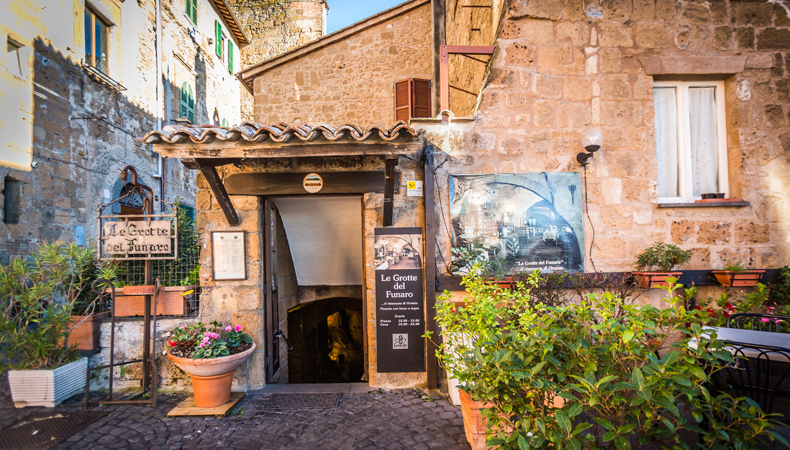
pixel 47 387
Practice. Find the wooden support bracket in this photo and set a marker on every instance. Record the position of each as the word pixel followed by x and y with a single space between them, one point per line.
pixel 389 190
pixel 218 188
pixel 444 66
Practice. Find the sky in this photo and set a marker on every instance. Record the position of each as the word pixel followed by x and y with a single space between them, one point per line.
pixel 343 13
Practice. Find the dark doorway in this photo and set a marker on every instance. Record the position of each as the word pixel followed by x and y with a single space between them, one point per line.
pixel 327 341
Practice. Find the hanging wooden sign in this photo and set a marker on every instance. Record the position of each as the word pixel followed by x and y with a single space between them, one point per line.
pixel 129 237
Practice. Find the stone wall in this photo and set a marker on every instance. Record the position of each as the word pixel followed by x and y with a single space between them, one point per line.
pixel 351 81
pixel 79 132
pixel 275 27
pixel 557 74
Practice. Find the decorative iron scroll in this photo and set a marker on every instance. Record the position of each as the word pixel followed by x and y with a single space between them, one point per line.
pixel 137 236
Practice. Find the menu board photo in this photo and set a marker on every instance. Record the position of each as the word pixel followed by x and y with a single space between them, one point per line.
pixel 229 255
pixel 400 312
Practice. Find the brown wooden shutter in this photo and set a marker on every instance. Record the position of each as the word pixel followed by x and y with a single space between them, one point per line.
pixel 412 99
pixel 421 98
pixel 403 100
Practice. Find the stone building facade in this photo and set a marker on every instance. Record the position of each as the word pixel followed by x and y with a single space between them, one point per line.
pixel 275 27
pixel 558 70
pixel 76 130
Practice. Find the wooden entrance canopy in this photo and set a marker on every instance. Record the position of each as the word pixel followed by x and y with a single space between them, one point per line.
pixel 207 147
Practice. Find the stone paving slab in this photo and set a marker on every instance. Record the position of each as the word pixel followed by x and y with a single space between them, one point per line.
pixel 396 419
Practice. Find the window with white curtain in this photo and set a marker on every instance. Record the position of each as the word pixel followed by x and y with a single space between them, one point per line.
pixel 691 140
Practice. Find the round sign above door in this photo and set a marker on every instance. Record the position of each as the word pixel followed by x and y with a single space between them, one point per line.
pixel 313 183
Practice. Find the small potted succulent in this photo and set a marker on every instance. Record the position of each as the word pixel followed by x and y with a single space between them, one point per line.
pixel 655 263
pixel 209 354
pixel 737 275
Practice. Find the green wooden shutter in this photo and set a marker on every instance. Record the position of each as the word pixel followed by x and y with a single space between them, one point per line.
pixel 187 102
pixel 230 56
pixel 191 10
pixel 218 38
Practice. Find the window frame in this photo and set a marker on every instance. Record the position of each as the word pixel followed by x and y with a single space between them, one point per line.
pixel 184 107
pixel 194 4
pixel 685 175
pixel 90 59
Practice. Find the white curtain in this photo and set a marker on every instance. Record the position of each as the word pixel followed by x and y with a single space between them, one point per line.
pixel 702 130
pixel 667 141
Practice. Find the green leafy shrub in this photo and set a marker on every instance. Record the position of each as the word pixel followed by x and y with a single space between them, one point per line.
pixel 737 267
pixel 37 296
pixel 779 294
pixel 661 256
pixel 625 374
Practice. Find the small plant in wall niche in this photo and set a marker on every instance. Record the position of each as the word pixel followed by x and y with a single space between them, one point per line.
pixel 655 264
pixel 736 274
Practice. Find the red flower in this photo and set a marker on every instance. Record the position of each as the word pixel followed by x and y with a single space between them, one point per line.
pixel 727 314
pixel 172 344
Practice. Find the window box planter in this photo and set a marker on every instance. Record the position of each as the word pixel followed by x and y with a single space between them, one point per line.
pixel 130 300
pixel 506 283
pixel 650 280
pixel 211 377
pixel 47 387
pixel 747 278
pixel 86 334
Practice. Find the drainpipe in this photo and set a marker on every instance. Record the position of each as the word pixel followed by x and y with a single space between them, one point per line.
pixel 160 172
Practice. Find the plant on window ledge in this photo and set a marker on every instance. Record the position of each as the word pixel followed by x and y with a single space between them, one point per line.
pixel 736 274
pixel 655 264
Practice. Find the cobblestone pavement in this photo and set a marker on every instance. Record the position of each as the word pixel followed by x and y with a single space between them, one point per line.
pixel 397 419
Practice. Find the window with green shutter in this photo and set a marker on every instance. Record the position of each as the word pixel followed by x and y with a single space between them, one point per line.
pixel 220 40
pixel 230 56
pixel 187 103
pixel 191 10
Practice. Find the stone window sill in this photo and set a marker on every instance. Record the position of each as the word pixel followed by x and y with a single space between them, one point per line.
pixel 705 205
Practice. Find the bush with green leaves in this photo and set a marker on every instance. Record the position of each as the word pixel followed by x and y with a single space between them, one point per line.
pixel 199 341
pixel 37 296
pixel 626 374
pixel 661 256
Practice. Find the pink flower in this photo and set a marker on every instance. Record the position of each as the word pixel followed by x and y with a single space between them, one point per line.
pixel 238 328
pixel 228 328
pixel 202 344
pixel 205 339
pixel 765 319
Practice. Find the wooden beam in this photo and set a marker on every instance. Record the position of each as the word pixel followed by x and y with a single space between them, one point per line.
pixel 271 149
pixel 389 190
pixel 292 183
pixel 446 51
pixel 439 25
pixel 215 182
pixel 430 269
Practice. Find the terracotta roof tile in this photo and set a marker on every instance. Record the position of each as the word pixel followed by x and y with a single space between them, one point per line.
pixel 281 132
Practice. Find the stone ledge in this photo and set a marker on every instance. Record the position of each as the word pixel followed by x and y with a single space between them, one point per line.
pixel 704 205
pixel 692 65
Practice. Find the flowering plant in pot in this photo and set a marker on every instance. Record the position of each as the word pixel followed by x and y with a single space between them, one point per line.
pixel 210 354
pixel 664 258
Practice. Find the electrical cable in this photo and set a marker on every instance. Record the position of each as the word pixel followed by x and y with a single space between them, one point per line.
pixel 587 208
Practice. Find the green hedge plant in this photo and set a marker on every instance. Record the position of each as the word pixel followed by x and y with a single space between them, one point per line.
pixel 661 256
pixel 37 296
pixel 626 373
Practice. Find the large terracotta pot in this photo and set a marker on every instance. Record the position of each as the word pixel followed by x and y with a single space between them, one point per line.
pixel 211 378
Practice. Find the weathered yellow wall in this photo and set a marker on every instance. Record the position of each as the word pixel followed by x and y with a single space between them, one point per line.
pixel 351 81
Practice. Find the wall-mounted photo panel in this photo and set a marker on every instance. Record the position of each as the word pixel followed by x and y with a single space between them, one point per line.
pixel 517 222
pixel 229 255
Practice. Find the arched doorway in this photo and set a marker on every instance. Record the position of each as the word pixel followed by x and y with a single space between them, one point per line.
pixel 327 341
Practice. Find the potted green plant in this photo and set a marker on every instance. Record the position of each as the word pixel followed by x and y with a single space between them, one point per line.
pixel 37 295
pixel 735 274
pixel 655 263
pixel 89 309
pixel 210 354
pixel 176 288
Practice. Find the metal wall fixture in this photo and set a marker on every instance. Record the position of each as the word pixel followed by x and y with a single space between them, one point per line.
pixel 592 140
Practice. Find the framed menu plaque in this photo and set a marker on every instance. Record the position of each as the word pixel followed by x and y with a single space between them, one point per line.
pixel 229 255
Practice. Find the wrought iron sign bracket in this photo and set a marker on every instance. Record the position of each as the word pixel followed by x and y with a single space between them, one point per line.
pixel 209 171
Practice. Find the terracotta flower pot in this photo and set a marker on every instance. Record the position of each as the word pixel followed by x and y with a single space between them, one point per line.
pixel 649 280
pixel 747 278
pixel 211 378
